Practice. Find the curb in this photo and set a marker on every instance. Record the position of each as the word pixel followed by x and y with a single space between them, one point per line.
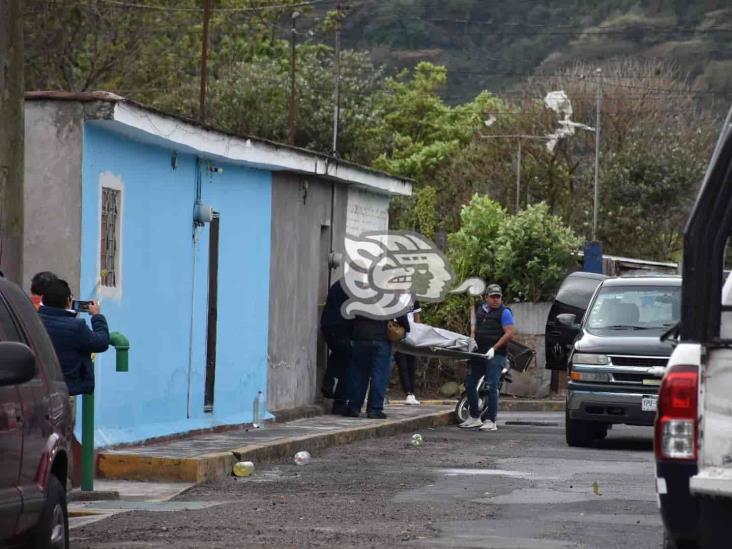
pixel 218 465
pixel 119 466
pixel 287 447
pixel 209 467
pixel 506 404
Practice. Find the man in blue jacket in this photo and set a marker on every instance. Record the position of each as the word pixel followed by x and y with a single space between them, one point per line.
pixel 73 340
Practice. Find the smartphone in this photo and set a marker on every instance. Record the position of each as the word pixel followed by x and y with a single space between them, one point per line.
pixel 80 305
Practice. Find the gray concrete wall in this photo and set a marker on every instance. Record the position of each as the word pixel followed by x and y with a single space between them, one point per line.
pixel 53 159
pixel 301 216
pixel 530 322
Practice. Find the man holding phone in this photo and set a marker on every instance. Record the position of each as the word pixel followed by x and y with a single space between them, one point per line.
pixel 73 340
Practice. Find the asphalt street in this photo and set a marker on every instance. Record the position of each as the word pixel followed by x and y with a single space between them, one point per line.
pixel 519 487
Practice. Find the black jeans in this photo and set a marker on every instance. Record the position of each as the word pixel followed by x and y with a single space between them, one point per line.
pixel 406 364
pixel 337 368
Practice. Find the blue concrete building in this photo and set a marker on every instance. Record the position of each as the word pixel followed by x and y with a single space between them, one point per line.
pixel 171 226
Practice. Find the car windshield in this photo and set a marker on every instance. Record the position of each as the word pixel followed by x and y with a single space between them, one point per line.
pixel 635 308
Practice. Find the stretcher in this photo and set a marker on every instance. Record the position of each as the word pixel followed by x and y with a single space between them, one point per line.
pixel 426 340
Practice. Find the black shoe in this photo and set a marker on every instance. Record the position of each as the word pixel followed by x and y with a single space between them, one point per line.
pixel 339 410
pixel 350 413
pixel 327 393
pixel 376 415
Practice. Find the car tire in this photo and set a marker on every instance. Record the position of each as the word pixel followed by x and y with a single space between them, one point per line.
pixel 577 432
pixel 599 431
pixel 52 530
pixel 670 543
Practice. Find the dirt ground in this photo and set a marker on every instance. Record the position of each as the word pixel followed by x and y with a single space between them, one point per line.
pixel 519 487
pixel 343 498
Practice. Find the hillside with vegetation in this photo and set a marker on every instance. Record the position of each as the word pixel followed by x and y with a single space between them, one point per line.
pixel 431 90
pixel 495 45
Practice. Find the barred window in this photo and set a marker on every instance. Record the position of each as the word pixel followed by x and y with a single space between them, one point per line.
pixel 109 258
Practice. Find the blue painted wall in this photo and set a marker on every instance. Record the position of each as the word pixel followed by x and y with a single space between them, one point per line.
pixel 163 303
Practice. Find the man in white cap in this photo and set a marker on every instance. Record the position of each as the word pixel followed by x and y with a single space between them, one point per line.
pixel 491 325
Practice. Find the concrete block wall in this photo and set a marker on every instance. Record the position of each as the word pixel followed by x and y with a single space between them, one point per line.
pixel 530 323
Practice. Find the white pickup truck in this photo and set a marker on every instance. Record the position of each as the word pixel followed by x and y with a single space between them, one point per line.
pixel 693 428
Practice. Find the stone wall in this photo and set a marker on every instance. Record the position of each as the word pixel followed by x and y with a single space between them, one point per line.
pixel 530 323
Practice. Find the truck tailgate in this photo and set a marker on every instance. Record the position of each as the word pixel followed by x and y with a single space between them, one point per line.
pixel 715 435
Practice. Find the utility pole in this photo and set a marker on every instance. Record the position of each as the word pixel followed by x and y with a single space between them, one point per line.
pixel 337 97
pixel 519 155
pixel 293 91
pixel 204 59
pixel 518 176
pixel 12 131
pixel 597 154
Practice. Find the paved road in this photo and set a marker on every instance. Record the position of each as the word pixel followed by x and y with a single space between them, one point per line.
pixel 519 487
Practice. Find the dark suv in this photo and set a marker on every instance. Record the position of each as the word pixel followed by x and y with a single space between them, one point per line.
pixel 618 359
pixel 35 428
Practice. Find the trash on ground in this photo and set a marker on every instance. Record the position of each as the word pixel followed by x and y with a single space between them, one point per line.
pixel 243 468
pixel 302 458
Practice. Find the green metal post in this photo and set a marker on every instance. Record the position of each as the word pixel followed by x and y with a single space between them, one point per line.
pixel 122 345
pixel 87 443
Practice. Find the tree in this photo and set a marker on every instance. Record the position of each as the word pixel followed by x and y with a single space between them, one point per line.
pixel 471 249
pixel 251 98
pixel 419 132
pixel 533 251
pixel 652 191
pixel 11 140
pixel 527 253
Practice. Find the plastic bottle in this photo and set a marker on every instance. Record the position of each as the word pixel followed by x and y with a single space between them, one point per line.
pixel 243 468
pixel 260 407
pixel 302 457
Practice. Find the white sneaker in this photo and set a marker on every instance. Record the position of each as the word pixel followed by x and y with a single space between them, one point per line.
pixel 489 425
pixel 470 423
pixel 411 400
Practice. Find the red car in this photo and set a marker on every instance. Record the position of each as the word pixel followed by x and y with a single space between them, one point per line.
pixel 35 428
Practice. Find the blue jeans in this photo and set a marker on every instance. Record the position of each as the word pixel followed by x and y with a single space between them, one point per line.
pixel 491 369
pixel 370 359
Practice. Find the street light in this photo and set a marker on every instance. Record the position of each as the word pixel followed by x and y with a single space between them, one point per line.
pixel 560 103
pixel 519 138
pixel 596 193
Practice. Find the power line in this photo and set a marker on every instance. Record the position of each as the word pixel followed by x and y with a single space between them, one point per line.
pixel 588 29
pixel 122 4
pixel 569 76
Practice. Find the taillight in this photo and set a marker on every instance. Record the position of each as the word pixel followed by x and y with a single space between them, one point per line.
pixel 676 420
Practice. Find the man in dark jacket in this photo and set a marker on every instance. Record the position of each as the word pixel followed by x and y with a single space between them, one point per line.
pixel 73 340
pixel 337 333
pixel 371 353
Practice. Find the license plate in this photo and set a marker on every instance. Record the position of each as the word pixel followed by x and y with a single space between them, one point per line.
pixel 648 404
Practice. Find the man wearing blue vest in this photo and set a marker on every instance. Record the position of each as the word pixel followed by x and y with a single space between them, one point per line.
pixel 491 325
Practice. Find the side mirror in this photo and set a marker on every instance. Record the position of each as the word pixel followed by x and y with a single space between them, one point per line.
pixel 568 320
pixel 17 363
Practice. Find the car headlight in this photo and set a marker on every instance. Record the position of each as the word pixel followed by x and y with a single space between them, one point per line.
pixel 598 377
pixel 591 359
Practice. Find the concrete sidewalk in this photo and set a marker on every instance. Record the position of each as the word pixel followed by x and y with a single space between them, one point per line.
pixel 211 456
